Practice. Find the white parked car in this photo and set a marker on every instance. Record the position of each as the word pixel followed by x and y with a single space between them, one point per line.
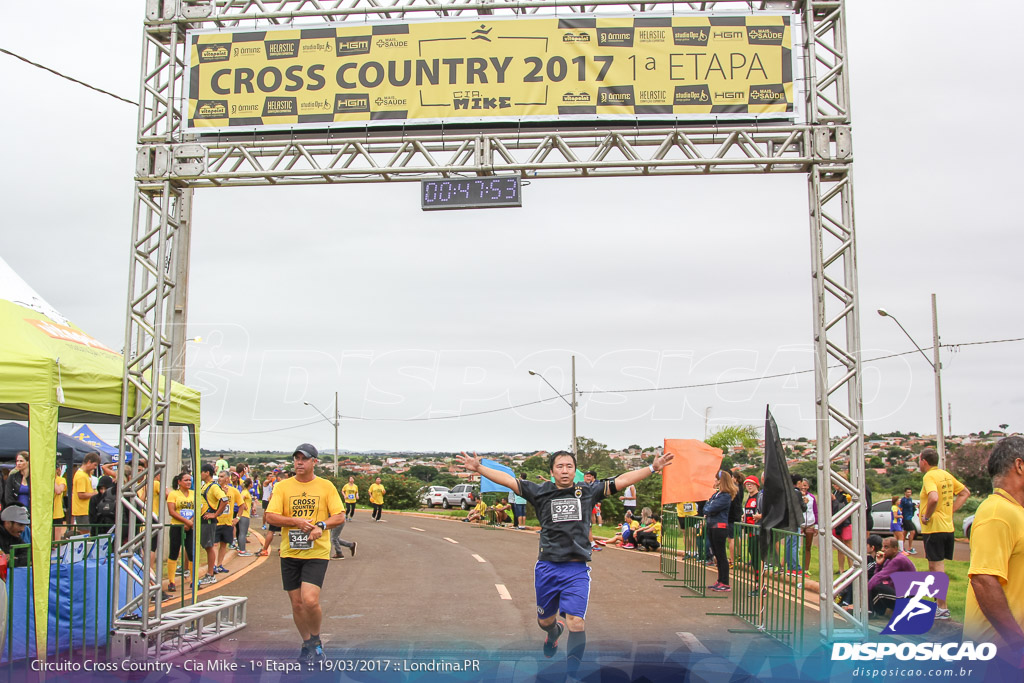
pixel 881 513
pixel 432 495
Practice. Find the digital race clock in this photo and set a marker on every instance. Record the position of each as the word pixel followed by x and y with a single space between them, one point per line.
pixel 470 193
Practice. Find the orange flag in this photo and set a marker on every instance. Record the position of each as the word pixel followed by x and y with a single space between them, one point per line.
pixel 692 474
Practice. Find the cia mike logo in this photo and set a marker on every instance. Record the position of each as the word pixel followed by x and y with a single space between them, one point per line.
pixel 914 612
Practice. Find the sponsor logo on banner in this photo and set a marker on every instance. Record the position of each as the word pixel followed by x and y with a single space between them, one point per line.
pixel 351 104
pixel 281 49
pixel 767 94
pixel 914 612
pixel 615 96
pixel 648 96
pixel 580 37
pixel 280 106
pixel 390 101
pixel 615 37
pixel 728 34
pixel 650 35
pixel 576 97
pixel 214 52
pixel 391 42
pixel 211 109
pixel 922 652
pixel 65 333
pixel 765 35
pixel 692 94
pixel 687 35
pixel 352 45
pixel 730 96
pixel 316 107
pixel 311 47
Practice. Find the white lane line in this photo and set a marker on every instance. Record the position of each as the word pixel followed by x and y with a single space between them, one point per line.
pixel 502 591
pixel 480 559
pixel 451 540
pixel 693 643
pixel 416 528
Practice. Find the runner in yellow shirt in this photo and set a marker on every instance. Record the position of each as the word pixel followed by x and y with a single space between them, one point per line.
pixel 305 506
pixel 60 487
pixel 82 490
pixel 941 496
pixel 181 516
pixel 214 501
pixel 350 495
pixel 227 521
pixel 995 595
pixel 377 492
pixel 244 515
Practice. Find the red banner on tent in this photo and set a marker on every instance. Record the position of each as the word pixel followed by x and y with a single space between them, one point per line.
pixel 692 474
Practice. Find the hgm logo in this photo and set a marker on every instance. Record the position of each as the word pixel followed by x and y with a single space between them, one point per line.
pixel 947 652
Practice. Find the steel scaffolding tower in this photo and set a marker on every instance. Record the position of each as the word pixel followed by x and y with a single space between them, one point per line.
pixel 171 164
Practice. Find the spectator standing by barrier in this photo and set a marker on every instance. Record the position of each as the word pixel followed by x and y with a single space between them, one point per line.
pixel 995 596
pixel 809 526
pixel 843 530
pixel 628 498
pixel 941 496
pixel 82 490
pixel 909 527
pixel 60 487
pixel 735 514
pixel 896 522
pixel 268 492
pixel 350 496
pixel 244 517
pixel 519 510
pixel 214 501
pixel 227 521
pixel 17 487
pixel 716 513
pixel 377 492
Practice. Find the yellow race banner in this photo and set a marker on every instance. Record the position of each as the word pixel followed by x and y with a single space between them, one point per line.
pixel 584 67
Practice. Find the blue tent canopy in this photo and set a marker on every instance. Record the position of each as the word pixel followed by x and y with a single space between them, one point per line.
pixel 14 438
pixel 88 437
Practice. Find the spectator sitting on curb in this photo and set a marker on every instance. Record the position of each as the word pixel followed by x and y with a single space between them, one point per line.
pixel 888 562
pixel 477 513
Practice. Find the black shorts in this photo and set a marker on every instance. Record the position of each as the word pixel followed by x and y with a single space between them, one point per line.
pixel 908 525
pixel 296 571
pixel 225 533
pixel 276 529
pixel 939 546
pixel 207 533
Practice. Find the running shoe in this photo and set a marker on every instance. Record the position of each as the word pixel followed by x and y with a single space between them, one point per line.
pixel 207 580
pixel 714 586
pixel 628 545
pixel 353 549
pixel 233 545
pixel 599 541
pixel 305 655
pixel 942 614
pixel 244 553
pixel 263 553
pixel 220 569
pixel 318 654
pixel 912 551
pixel 720 588
pixel 551 646
pixel 171 588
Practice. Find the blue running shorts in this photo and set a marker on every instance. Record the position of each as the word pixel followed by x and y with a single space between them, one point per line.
pixel 562 587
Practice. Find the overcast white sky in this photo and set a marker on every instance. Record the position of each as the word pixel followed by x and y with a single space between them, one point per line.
pixel 299 293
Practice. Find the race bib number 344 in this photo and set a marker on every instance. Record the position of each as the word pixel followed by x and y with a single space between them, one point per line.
pixel 566 510
pixel 298 540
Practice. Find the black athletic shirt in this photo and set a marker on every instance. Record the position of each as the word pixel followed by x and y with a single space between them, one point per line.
pixel 564 516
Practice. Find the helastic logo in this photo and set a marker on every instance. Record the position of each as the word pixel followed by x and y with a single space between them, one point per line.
pixel 914 612
pixel 281 49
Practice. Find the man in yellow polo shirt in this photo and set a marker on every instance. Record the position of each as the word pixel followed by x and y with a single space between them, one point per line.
pixel 941 496
pixel 995 596
pixel 305 506
pixel 226 522
pixel 213 501
pixel 82 490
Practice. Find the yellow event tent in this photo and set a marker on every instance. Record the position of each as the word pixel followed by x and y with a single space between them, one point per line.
pixel 51 371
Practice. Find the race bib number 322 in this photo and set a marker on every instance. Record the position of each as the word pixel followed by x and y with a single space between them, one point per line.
pixel 566 510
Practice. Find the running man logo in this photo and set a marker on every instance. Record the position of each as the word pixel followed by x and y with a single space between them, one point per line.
pixel 615 37
pixel 914 612
pixel 214 52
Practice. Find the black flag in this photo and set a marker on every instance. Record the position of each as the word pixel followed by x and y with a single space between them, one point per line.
pixel 780 506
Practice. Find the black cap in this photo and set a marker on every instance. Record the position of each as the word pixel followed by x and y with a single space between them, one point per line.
pixel 308 450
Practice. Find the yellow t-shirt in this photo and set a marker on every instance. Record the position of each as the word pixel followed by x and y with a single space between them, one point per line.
pixel 81 483
pixel 634 525
pixel 183 503
pixel 210 496
pixel 315 500
pixel 350 492
pixel 234 498
pixel 153 499
pixel 686 509
pixel 246 508
pixel 377 494
pixel 656 528
pixel 481 507
pixel 997 549
pixel 58 498
pixel 947 487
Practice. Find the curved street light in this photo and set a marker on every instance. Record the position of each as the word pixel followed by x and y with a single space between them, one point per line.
pixel 572 405
pixel 334 423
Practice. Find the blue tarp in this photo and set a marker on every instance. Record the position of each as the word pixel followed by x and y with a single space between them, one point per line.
pixel 89 438
pixel 79 602
pixel 486 485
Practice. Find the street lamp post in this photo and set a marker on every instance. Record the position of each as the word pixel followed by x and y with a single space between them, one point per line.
pixel 940 438
pixel 572 406
pixel 334 423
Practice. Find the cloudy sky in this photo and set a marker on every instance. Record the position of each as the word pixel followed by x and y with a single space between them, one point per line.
pixel 651 283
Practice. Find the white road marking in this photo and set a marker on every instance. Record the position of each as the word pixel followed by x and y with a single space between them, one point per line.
pixel 693 643
pixel 480 559
pixel 451 540
pixel 416 528
pixel 502 591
